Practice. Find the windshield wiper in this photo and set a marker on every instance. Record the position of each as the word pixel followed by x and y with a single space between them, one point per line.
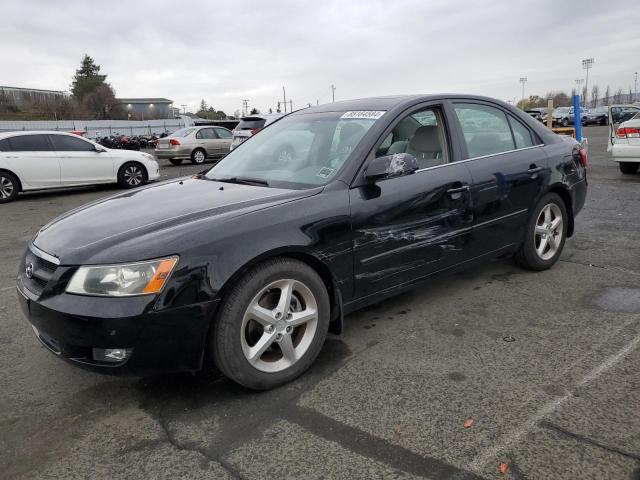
pixel 243 181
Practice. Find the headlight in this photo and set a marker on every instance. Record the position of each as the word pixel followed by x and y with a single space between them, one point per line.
pixel 140 278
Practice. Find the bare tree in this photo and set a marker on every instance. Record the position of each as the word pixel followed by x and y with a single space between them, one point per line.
pixel 595 94
pixel 607 96
pixel 618 96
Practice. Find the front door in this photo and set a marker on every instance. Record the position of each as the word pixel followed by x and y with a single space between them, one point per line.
pixel 408 227
pixel 509 169
pixel 207 138
pixel 80 162
pixel 225 137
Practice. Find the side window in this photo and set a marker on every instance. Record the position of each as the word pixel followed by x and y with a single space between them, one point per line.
pixel 521 134
pixel 486 129
pixel 206 134
pixel 63 143
pixel 224 134
pixel 5 146
pixel 420 134
pixel 29 143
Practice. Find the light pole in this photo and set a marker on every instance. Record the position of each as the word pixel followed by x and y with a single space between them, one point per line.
pixel 523 80
pixel 579 82
pixel 587 63
pixel 635 90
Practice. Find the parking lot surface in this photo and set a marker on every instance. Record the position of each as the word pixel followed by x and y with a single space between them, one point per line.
pixel 545 364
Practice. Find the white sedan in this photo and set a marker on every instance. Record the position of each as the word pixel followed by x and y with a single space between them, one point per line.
pixel 44 160
pixel 624 138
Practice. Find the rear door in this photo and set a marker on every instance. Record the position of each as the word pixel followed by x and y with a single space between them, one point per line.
pixel 206 138
pixel 509 169
pixel 32 158
pixel 80 162
pixel 225 138
pixel 407 227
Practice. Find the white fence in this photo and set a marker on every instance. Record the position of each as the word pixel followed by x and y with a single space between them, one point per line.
pixel 100 128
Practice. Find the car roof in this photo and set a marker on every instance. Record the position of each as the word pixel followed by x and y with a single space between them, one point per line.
pixel 17 133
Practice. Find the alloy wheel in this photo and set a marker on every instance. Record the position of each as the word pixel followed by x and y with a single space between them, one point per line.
pixel 279 325
pixel 548 231
pixel 133 175
pixel 6 187
pixel 198 156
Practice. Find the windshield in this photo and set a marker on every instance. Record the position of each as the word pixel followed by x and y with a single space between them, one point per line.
pixel 183 132
pixel 299 151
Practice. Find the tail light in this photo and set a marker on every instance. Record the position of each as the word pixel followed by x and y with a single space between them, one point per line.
pixel 173 141
pixel 255 130
pixel 628 132
pixel 584 160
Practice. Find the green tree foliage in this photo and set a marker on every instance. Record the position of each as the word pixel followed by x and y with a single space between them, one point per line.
pixel 210 113
pixel 87 78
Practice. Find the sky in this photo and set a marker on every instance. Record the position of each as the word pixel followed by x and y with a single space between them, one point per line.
pixel 225 52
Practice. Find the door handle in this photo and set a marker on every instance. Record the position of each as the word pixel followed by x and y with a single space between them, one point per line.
pixel 534 169
pixel 455 193
pixel 461 189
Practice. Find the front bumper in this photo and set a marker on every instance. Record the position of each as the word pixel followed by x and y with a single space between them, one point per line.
pixel 172 339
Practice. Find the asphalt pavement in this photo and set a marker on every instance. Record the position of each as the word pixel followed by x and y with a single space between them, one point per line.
pixel 544 364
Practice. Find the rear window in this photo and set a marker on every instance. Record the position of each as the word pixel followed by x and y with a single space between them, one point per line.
pixel 251 123
pixel 29 143
pixel 183 132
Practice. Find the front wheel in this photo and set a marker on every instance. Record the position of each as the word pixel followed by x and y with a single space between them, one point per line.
pixel 545 235
pixel 628 168
pixel 131 175
pixel 271 326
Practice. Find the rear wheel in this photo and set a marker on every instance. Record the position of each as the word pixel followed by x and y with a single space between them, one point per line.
pixel 9 187
pixel 545 235
pixel 272 325
pixel 628 167
pixel 176 161
pixel 565 122
pixel 198 156
pixel 131 175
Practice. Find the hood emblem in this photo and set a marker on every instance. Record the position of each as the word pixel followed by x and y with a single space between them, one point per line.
pixel 29 270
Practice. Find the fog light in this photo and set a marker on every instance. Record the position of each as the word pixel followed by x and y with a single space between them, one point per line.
pixel 112 355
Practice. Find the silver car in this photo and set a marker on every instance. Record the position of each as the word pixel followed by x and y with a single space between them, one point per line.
pixel 194 143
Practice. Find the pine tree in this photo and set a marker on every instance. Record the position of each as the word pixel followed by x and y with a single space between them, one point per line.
pixel 87 78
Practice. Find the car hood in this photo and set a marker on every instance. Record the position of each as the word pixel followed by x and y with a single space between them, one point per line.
pixel 146 222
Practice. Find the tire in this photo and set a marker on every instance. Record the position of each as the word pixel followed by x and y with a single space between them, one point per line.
pixel 176 161
pixel 9 187
pixel 565 122
pixel 198 156
pixel 132 175
pixel 237 332
pixel 532 255
pixel 628 168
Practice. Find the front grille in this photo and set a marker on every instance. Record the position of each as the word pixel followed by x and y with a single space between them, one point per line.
pixel 42 272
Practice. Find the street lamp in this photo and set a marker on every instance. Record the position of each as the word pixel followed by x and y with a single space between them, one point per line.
pixel 587 63
pixel 523 80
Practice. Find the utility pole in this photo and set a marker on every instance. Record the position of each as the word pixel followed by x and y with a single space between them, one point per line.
pixel 587 63
pixel 523 80
pixel 635 90
pixel 184 108
pixel 245 108
pixel 333 93
pixel 291 105
pixel 284 97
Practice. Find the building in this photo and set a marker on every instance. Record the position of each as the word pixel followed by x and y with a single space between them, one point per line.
pixel 19 97
pixel 147 108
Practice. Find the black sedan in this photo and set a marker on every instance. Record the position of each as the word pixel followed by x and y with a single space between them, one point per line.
pixel 252 262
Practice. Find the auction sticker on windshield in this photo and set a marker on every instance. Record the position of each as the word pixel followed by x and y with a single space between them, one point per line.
pixel 366 114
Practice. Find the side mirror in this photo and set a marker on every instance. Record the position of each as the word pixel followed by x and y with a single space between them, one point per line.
pixel 390 166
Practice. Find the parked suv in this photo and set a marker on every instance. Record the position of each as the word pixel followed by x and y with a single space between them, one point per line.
pixel 194 143
pixel 564 116
pixel 249 126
